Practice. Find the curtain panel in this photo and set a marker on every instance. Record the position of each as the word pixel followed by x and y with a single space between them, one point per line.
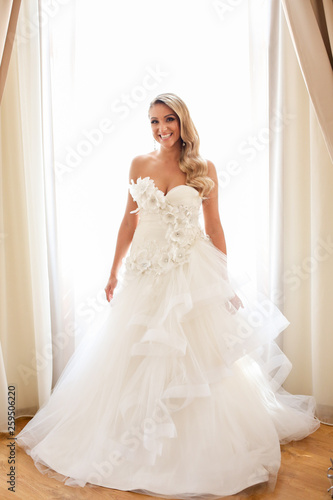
pixel 25 312
pixel 36 304
pixel 301 226
pixel 9 14
pixel 310 25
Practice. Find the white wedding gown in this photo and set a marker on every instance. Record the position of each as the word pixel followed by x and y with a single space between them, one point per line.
pixel 178 394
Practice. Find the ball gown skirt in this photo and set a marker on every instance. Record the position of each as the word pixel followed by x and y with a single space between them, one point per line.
pixel 178 394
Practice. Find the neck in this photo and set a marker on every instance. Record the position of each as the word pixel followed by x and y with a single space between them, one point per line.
pixel 170 155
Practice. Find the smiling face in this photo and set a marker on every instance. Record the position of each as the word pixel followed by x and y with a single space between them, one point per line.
pixel 165 126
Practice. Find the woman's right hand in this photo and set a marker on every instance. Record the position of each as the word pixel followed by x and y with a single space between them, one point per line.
pixel 110 287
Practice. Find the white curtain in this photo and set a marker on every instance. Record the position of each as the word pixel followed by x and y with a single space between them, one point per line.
pixel 74 114
pixel 103 84
pixel 301 227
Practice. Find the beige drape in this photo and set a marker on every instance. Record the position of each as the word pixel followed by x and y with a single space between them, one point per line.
pixel 301 173
pixel 9 14
pixel 25 332
pixel 311 27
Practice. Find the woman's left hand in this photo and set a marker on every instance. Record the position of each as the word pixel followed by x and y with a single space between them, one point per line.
pixel 234 304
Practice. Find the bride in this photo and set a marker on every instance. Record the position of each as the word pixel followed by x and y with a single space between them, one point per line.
pixel 179 393
pixel 176 163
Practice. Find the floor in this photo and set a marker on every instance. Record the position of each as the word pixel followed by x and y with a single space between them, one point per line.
pixel 302 476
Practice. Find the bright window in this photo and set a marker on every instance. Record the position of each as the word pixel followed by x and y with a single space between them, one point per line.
pixel 109 59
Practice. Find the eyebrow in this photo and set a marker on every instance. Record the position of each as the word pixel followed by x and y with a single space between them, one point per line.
pixel 170 114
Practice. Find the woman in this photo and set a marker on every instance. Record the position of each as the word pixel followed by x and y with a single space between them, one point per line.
pixel 176 163
pixel 179 394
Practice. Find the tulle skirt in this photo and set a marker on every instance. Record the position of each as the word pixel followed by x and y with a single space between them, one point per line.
pixel 177 394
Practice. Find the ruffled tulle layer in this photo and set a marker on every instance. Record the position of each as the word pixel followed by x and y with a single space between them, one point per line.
pixel 178 394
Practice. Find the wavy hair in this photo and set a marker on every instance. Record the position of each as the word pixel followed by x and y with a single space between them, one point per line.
pixel 190 162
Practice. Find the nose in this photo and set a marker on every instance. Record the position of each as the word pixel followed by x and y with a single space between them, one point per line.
pixel 163 128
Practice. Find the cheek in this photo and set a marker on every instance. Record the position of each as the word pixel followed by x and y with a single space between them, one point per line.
pixel 177 126
pixel 177 129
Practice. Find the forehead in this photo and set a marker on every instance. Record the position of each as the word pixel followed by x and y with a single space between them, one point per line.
pixel 159 110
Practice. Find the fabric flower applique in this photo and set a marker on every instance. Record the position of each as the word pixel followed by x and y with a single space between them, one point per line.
pixel 147 196
pixel 170 217
pixel 181 230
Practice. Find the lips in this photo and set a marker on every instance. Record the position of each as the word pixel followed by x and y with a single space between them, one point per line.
pixel 165 137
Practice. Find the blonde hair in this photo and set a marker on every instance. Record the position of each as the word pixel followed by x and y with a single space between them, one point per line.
pixel 190 162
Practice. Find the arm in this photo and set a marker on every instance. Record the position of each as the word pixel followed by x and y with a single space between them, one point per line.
pixel 213 226
pixel 124 239
pixel 210 206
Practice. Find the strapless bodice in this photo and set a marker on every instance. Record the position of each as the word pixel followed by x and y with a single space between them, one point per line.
pixel 168 226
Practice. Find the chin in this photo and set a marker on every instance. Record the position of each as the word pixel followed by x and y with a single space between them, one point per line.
pixel 168 144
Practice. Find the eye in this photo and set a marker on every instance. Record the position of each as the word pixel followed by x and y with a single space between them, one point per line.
pixel 153 122
pixel 170 119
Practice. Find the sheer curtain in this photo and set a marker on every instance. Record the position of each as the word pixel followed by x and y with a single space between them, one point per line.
pixel 103 91
pixel 24 295
pixel 75 113
pixel 301 225
pixel 100 124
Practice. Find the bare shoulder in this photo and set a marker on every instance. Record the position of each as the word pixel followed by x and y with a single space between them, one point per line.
pixel 211 170
pixel 141 165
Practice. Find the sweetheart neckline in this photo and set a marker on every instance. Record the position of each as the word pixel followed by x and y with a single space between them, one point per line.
pixel 160 190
